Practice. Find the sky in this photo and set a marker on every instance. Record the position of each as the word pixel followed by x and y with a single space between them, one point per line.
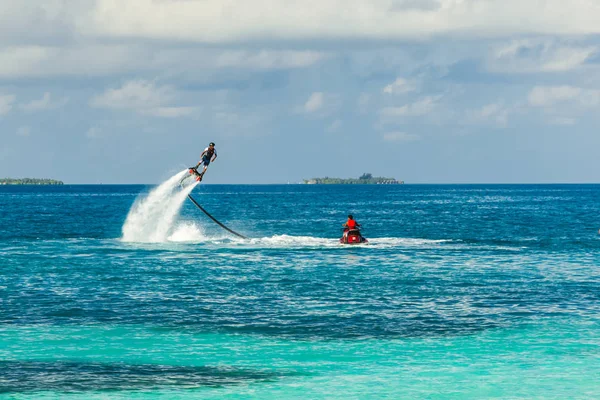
pixel 425 91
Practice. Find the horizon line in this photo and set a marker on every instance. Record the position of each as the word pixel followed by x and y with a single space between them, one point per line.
pixel 326 184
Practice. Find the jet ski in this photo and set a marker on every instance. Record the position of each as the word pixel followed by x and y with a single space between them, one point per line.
pixel 352 236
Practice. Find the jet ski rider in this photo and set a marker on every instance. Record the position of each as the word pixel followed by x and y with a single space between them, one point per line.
pixel 351 224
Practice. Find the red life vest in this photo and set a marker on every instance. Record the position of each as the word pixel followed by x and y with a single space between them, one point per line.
pixel 351 224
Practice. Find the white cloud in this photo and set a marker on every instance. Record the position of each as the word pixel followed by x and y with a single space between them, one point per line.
pixel 24 131
pixel 6 103
pixel 564 121
pixel 334 126
pixel 145 98
pixel 400 85
pixel 93 133
pixel 564 105
pixel 590 98
pixel 137 95
pixel 85 59
pixel 494 112
pixel 45 103
pixel 216 21
pixel 111 37
pixel 490 110
pixel 37 104
pixel 423 5
pixel 266 59
pixel 539 55
pixel 320 104
pixel 421 107
pixel 314 103
pixel 171 112
pixel 400 137
pixel 234 121
pixel 91 59
pixel 543 96
pixel 39 20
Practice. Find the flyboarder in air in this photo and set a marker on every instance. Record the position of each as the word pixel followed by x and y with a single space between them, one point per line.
pixel 208 155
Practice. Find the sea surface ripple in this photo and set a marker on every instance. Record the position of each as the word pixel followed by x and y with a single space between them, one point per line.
pixel 464 291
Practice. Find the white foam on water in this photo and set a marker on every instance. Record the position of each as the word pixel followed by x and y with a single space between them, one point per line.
pixel 152 217
pixel 293 241
pixel 288 241
pixel 407 242
pixel 187 232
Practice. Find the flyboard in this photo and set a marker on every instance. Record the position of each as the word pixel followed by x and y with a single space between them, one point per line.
pixel 194 171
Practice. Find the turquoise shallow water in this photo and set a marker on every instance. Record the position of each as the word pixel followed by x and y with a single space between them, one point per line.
pixel 467 291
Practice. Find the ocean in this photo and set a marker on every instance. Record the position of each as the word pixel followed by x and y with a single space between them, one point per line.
pixel 463 292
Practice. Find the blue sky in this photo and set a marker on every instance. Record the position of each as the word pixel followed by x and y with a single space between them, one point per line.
pixel 427 91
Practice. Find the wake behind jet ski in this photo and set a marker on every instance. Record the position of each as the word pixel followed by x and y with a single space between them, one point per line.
pixel 352 233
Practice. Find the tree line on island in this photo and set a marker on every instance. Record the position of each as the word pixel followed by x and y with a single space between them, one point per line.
pixel 364 179
pixel 29 181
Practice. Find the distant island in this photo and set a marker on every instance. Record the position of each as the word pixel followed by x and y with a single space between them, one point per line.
pixel 365 179
pixel 29 181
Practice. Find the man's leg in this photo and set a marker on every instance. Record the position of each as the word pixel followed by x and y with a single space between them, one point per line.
pixel 201 174
pixel 205 167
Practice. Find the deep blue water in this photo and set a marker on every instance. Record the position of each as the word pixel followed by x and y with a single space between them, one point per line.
pixel 464 291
